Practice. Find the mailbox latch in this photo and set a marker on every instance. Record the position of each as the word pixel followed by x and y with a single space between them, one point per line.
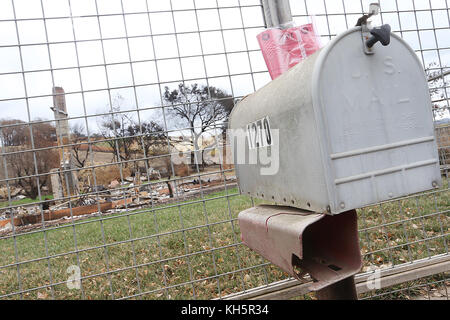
pixel 369 35
pixel 365 36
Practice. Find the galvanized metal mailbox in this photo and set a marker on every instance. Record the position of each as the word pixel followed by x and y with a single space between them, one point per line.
pixel 349 126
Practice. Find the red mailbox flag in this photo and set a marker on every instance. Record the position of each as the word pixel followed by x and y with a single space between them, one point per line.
pixel 284 48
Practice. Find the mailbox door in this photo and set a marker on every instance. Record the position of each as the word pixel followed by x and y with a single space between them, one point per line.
pixel 376 122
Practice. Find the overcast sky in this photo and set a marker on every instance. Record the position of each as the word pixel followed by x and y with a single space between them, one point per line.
pixel 179 38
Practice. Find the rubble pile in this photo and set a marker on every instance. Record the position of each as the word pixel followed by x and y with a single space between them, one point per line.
pixel 15 193
pixel 133 192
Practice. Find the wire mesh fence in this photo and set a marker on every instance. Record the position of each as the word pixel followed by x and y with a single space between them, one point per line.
pixel 114 179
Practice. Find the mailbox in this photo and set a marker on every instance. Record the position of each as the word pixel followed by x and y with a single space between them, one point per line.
pixel 349 126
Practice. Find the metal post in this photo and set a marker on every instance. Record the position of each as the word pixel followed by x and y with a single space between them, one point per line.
pixel 342 290
pixel 276 12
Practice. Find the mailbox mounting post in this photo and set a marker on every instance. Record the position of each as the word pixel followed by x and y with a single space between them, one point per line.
pixel 303 242
pixel 342 290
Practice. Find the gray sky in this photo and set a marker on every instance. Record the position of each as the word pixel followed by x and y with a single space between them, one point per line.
pixel 225 65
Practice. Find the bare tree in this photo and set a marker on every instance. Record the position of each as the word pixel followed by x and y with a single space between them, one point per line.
pixel 150 136
pixel 437 83
pixel 163 152
pixel 116 128
pixel 25 165
pixel 80 148
pixel 198 109
pixel 13 132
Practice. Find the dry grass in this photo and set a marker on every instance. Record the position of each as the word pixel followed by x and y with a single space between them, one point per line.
pixel 193 248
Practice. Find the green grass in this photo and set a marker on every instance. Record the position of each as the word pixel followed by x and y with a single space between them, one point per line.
pixel 116 228
pixel 25 201
pixel 170 257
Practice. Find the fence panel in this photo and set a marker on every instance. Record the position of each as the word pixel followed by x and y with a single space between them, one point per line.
pixel 114 182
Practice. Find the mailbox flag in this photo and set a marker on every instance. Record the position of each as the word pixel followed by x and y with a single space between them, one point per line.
pixel 284 48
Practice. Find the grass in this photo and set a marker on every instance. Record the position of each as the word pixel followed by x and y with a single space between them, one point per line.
pixel 156 271
pixel 25 201
pixel 175 249
pixel 407 229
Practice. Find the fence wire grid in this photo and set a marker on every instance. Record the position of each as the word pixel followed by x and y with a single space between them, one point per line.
pixel 93 110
